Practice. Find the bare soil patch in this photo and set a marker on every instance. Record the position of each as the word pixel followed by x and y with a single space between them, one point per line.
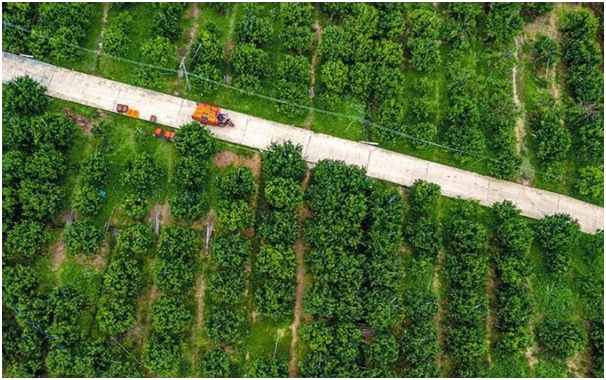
pixel 226 158
pixel 194 13
pixel 436 284
pixel 85 124
pixel 59 255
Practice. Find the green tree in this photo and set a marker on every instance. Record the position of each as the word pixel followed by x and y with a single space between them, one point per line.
pixel 504 22
pixel 169 315
pixel 123 277
pixel 140 175
pixel 39 200
pixel 163 354
pixel 115 36
pixel 45 164
pixel 284 160
pixel 137 240
pixel 546 52
pixel 591 183
pixel 334 76
pixel 539 8
pixel 283 193
pixel 116 316
pixel 24 242
pixel 195 141
pixel 250 65
pixel 562 339
pixel 24 97
pixel 267 368
pixel 87 201
pixel 237 183
pixel 556 234
pixel 234 215
pixel 279 227
pixel 215 364
pixel 256 27
pixel 159 51
pixel 82 237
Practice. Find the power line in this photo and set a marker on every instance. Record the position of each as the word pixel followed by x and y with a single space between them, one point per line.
pixel 352 118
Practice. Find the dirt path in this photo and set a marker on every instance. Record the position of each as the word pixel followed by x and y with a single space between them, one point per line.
pixel 200 292
pixel 59 256
pixel 577 365
pixel 227 158
pixel 193 31
pixel 546 25
pixel 521 122
pixel 300 249
pixel 314 65
pixel 140 332
pixel 436 285
pixel 229 45
pixel 491 317
pixel 103 23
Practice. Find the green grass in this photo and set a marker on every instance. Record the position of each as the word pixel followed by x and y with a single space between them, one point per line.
pixel 509 366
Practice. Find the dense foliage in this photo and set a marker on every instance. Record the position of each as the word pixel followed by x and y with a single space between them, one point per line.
pixel 139 179
pixel 551 140
pixel 230 251
pixel 297 19
pixel 196 147
pixel 562 339
pixel 122 280
pixel 556 234
pixel 82 237
pixel 422 232
pixel 283 169
pixel 514 308
pixel 170 316
pixel 467 306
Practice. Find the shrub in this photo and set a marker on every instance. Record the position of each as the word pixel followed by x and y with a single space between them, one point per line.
pixel 169 315
pixel 562 339
pixel 237 184
pixel 82 237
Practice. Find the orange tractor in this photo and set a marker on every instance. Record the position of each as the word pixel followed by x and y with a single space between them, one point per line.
pixel 211 115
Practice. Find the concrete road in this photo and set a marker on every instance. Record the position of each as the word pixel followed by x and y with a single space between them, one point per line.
pixel 259 133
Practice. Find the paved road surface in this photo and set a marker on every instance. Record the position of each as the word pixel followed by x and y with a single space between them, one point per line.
pixel 259 133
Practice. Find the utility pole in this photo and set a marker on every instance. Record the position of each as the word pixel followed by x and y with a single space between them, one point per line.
pixel 182 71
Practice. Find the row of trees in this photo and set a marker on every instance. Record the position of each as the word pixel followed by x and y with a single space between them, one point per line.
pixel 116 37
pixel 462 122
pixel 550 139
pixel 283 171
pixel 423 237
pixel 207 59
pixel 556 234
pixel 383 267
pixel 122 280
pixel 513 238
pixel 230 250
pixel 139 179
pixel 361 62
pixel 497 107
pixel 585 114
pixel 249 61
pixel 467 306
pixel 593 296
pixel 195 146
pixel 170 315
pixel 337 198
pixel 35 147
